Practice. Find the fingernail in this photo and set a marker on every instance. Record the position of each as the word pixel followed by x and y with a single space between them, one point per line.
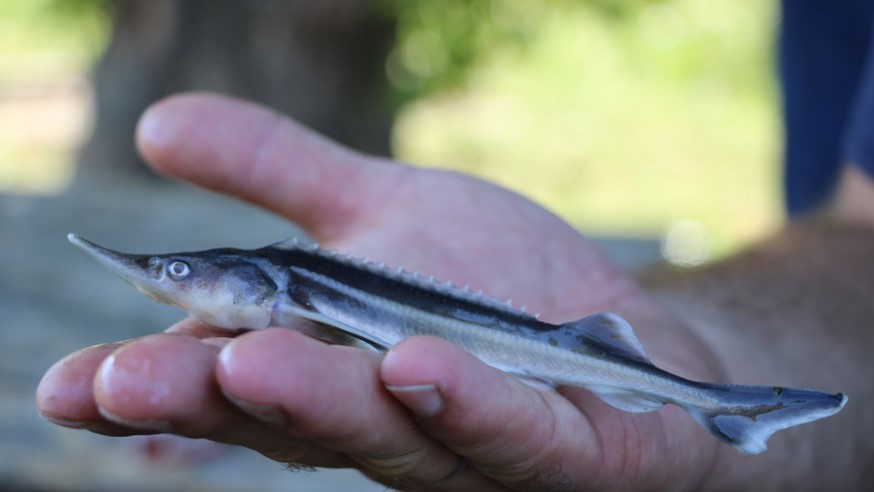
pixel 115 381
pixel 268 412
pixel 218 342
pixel 424 400
pixel 104 346
pixel 159 425
pixel 72 424
pixel 98 427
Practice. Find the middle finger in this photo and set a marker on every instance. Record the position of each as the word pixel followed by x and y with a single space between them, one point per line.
pixel 333 395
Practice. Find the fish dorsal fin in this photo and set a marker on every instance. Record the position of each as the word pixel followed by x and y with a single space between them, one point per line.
pixel 612 331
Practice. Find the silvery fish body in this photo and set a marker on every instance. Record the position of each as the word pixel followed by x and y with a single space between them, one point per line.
pixel 344 300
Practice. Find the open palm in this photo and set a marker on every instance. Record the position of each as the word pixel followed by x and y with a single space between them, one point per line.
pixel 299 401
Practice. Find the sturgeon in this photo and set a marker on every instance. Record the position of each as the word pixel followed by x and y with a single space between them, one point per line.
pixel 353 301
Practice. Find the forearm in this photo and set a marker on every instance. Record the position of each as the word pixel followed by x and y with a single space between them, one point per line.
pixel 797 310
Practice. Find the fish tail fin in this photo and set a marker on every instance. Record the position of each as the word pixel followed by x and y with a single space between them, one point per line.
pixel 746 416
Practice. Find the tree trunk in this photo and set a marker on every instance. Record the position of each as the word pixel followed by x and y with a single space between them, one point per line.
pixel 321 62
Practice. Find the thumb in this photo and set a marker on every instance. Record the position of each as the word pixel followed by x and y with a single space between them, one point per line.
pixel 252 153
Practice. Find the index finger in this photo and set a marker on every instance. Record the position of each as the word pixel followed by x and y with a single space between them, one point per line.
pixel 255 154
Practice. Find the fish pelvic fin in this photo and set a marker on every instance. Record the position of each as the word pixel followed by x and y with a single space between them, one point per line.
pixel 629 401
pixel 749 415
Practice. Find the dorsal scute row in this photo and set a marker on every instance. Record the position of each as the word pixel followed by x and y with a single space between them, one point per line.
pixel 429 282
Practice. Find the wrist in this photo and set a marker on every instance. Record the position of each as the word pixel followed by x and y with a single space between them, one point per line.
pixel 854 200
pixel 792 311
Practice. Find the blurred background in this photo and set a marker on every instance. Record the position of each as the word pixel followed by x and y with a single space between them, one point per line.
pixel 649 124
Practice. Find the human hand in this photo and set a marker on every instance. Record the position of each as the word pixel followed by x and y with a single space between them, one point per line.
pixel 300 401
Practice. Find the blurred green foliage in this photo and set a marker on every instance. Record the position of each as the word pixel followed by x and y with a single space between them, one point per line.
pixel 440 41
pixel 46 50
pixel 623 116
pixel 41 39
pixel 623 121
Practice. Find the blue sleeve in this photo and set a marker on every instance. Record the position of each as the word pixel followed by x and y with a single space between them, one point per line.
pixel 827 96
pixel 859 141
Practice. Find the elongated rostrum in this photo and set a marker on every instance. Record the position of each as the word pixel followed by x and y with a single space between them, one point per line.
pixel 350 301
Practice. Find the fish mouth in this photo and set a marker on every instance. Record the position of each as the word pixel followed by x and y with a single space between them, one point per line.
pixel 138 270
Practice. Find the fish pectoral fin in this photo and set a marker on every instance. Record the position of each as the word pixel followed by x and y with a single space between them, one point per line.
pixel 335 336
pixel 627 400
pixel 610 330
pixel 373 343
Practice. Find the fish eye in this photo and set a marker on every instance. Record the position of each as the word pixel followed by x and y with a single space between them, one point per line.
pixel 178 270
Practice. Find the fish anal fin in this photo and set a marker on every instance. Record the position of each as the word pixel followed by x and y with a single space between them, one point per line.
pixel 627 400
pixel 610 330
pixel 532 380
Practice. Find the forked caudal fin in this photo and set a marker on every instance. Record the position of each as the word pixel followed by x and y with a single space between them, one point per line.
pixel 750 414
pixel 741 416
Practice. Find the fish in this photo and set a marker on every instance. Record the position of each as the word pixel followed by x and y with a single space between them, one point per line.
pixel 341 299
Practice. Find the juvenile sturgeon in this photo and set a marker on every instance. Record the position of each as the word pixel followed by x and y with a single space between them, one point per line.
pixel 351 301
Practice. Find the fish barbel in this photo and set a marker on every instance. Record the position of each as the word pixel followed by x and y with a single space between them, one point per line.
pixel 351 301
